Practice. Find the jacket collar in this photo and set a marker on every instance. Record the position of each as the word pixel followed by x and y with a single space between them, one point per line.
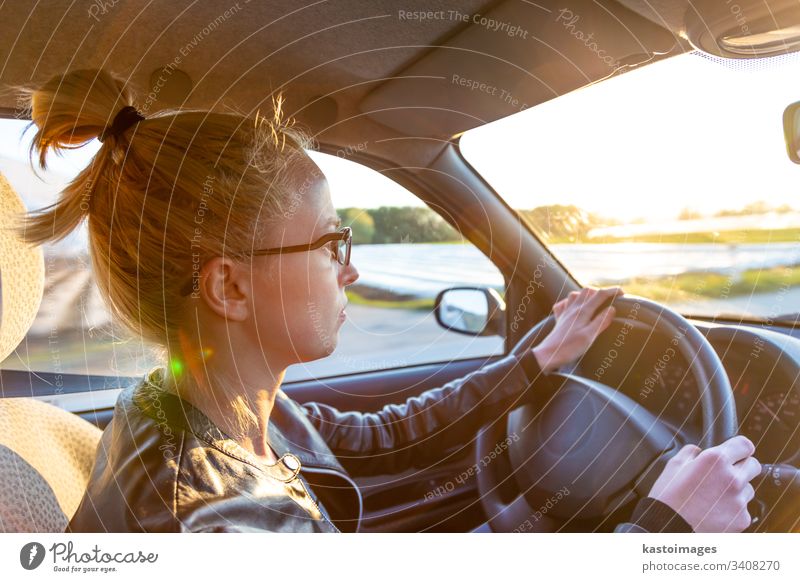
pixel 291 435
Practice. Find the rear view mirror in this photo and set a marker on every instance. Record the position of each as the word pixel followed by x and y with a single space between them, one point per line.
pixel 791 131
pixel 476 311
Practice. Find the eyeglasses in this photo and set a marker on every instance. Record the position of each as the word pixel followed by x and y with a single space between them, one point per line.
pixel 339 243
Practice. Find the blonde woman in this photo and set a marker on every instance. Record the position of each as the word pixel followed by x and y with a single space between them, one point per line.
pixel 215 236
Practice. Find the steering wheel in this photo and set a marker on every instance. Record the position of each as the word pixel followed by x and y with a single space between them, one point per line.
pixel 584 450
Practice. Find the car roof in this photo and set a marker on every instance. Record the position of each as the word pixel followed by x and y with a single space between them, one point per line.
pixel 351 70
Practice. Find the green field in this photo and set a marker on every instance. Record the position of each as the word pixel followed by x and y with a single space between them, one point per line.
pixel 387 302
pixel 688 286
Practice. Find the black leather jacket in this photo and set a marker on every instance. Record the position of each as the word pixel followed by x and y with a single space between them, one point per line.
pixel 163 466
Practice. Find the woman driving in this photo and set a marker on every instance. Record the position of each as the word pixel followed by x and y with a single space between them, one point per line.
pixel 214 236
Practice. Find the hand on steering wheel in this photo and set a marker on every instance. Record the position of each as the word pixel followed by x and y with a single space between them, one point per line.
pixel 711 488
pixel 605 448
pixel 576 326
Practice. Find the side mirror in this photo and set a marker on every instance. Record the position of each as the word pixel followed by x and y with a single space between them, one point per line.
pixel 475 311
pixel 791 131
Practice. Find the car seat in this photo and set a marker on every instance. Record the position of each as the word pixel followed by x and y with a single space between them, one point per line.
pixel 46 456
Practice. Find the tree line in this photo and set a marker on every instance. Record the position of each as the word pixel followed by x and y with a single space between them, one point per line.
pixel 397 224
pixel 420 224
pixel 553 222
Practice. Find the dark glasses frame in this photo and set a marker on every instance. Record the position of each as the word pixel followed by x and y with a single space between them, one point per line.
pixel 345 234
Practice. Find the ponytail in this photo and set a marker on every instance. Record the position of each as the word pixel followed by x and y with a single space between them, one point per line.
pixel 69 111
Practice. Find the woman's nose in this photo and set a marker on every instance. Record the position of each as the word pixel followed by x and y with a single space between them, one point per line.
pixel 349 274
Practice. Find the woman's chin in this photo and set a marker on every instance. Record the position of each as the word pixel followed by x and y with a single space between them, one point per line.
pixel 329 346
pixel 319 353
pixel 324 344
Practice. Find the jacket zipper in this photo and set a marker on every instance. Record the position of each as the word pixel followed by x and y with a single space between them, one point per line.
pixel 314 503
pixel 346 478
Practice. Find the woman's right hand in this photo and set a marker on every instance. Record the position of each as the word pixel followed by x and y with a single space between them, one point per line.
pixel 710 488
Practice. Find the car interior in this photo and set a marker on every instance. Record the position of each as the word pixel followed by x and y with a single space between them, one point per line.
pixel 393 87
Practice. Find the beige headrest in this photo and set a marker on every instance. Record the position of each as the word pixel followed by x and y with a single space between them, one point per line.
pixel 21 274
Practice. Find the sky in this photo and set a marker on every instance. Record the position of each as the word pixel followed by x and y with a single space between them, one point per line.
pixel 683 132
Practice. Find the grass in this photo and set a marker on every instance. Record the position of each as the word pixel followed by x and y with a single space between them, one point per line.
pixel 384 299
pixel 417 304
pixel 687 286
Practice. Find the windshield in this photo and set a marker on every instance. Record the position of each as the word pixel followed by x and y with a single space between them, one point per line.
pixel 671 180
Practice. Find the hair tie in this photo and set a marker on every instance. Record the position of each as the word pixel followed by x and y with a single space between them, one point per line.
pixel 126 117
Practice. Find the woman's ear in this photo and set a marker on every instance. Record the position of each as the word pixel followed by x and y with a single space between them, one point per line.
pixel 225 288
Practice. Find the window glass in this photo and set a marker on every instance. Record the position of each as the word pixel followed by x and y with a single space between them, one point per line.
pixel 405 254
pixel 671 180
pixel 73 332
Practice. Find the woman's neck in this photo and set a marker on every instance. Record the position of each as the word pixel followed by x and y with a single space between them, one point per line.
pixel 238 399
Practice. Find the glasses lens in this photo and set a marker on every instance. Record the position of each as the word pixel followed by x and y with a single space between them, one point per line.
pixel 341 251
pixel 337 248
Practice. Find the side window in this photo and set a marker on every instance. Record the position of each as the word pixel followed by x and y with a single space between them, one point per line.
pixel 73 333
pixel 405 254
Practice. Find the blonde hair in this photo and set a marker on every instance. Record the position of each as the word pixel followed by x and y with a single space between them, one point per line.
pixel 169 192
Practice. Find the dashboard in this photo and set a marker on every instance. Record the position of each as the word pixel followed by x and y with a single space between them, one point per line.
pixel 762 366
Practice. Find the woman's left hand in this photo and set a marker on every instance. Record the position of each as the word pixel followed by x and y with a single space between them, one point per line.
pixel 575 329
